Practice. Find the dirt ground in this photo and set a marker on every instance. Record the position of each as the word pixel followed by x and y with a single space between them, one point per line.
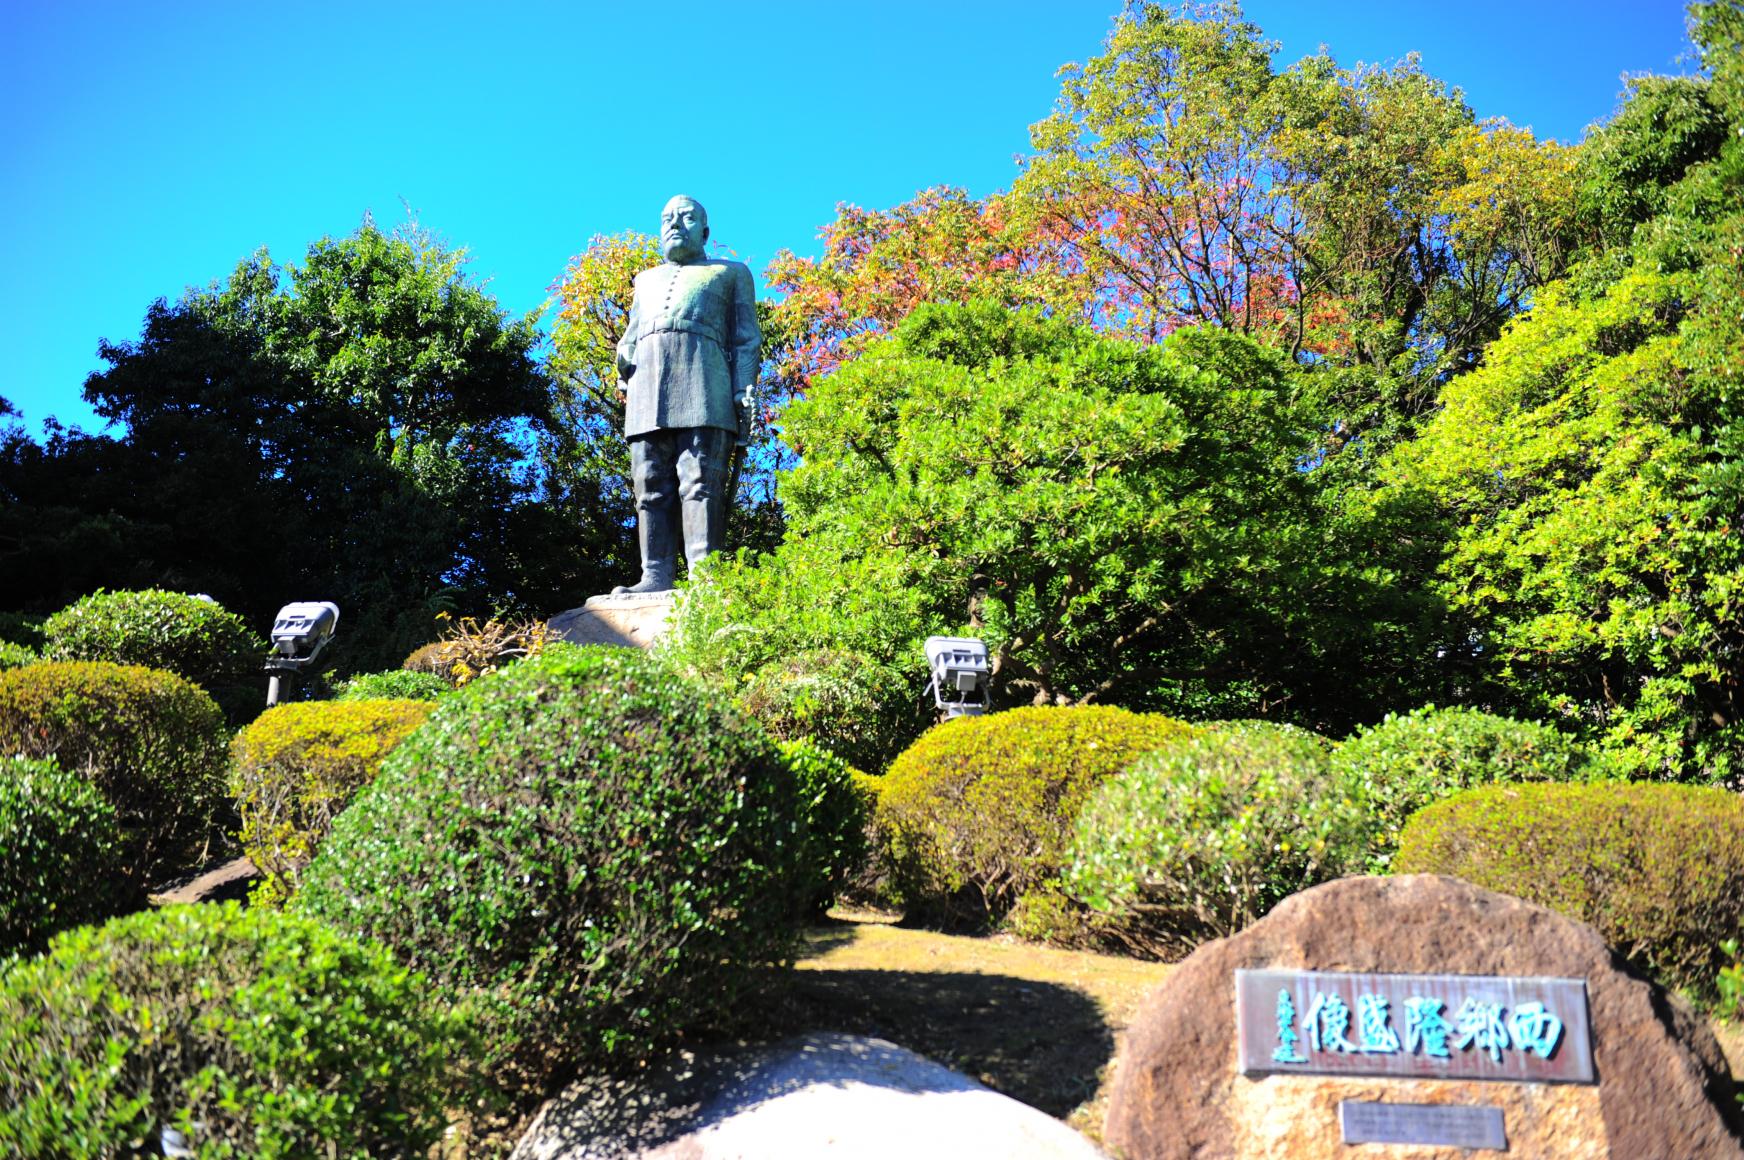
pixel 1036 1023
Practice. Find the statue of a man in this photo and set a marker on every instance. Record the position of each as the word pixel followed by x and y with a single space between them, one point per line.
pixel 688 360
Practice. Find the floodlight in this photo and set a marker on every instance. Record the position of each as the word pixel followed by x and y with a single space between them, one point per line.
pixel 303 629
pixel 300 631
pixel 961 673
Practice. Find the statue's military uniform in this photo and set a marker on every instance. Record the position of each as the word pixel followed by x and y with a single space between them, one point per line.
pixel 688 355
pixel 690 349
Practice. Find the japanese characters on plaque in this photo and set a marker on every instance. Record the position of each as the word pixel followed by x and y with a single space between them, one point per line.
pixel 1414 1026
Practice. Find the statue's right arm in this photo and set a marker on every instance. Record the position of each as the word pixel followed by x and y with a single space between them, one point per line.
pixel 627 344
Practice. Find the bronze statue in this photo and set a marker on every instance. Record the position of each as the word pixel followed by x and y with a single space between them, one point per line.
pixel 688 361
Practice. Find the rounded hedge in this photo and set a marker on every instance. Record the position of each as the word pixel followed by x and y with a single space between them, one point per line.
pixel 1204 836
pixel 590 847
pixel 253 1033
pixel 1411 761
pixel 297 767
pixel 191 636
pixel 393 685
pixel 837 805
pixel 1658 869
pixel 977 813
pixel 429 658
pixel 60 852
pixel 150 742
pixel 844 701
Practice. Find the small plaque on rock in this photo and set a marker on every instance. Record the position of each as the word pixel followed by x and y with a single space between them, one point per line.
pixel 1455 1125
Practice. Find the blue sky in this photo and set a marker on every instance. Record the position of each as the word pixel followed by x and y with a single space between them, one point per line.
pixel 148 147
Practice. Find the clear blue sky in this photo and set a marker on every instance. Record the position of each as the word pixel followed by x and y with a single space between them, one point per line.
pixel 146 147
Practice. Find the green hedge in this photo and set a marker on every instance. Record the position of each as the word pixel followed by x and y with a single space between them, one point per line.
pixel 393 685
pixel 1411 761
pixel 977 813
pixel 254 1033
pixel 297 767
pixel 1204 836
pixel 1658 869
pixel 837 807
pixel 60 850
pixel 151 742
pixel 16 656
pixel 594 849
pixel 191 636
pixel 844 701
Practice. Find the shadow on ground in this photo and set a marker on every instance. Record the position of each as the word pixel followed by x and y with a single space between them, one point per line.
pixel 1039 1043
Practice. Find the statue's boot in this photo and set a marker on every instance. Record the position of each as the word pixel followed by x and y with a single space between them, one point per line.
pixel 654 537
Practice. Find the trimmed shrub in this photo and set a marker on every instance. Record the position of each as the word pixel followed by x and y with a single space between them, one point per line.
pixel 253 1033
pixel 297 767
pixel 59 854
pixel 191 636
pixel 591 847
pixel 393 685
pixel 978 812
pixel 1658 869
pixel 1204 836
pixel 1411 761
pixel 844 701
pixel 427 658
pixel 16 656
pixel 150 742
pixel 837 805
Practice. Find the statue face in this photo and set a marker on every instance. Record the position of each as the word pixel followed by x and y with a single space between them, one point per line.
pixel 683 230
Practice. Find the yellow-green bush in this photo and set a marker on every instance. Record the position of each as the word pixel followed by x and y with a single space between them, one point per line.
pixel 151 742
pixel 297 766
pixel 977 813
pixel 1658 869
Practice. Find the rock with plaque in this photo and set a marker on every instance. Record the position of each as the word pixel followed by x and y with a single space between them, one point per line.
pixel 1417 1011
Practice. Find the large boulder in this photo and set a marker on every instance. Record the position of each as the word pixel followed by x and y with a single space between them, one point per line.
pixel 844 1097
pixel 1663 1090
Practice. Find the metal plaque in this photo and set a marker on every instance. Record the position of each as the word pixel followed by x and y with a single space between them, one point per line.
pixel 1528 1030
pixel 1456 1125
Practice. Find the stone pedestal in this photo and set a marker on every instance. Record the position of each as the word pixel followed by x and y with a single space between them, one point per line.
pixel 633 620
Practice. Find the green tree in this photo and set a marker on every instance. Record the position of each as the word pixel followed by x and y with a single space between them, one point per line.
pixel 1359 219
pixel 1123 523
pixel 1587 475
pixel 353 428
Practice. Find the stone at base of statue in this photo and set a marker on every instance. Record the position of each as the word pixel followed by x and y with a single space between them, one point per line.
pixel 632 620
pixel 1663 1088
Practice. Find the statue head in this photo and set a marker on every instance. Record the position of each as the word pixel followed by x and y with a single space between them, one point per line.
pixel 683 229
